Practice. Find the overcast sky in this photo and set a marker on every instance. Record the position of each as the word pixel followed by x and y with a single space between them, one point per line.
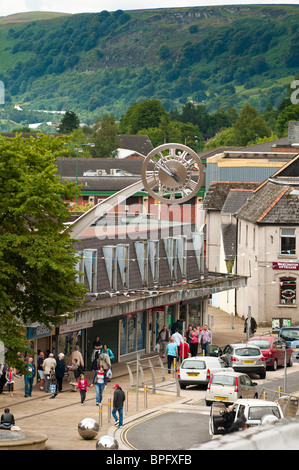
pixel 78 6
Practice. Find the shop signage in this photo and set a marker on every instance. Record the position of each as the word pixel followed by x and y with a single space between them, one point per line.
pixel 75 327
pixel 282 265
pixel 38 331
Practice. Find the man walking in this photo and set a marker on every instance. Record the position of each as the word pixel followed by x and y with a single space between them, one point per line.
pixel 118 404
pixel 163 339
pixel 205 339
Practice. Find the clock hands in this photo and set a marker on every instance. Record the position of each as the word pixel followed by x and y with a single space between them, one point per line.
pixel 167 170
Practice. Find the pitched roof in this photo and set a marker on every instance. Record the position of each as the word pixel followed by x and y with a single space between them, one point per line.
pixel 139 143
pixel 67 167
pixel 272 204
pixel 218 191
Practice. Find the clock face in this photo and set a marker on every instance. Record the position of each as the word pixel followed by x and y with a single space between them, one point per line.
pixel 172 173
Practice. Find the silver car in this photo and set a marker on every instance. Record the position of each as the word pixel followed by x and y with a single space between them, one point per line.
pixel 245 358
pixel 229 387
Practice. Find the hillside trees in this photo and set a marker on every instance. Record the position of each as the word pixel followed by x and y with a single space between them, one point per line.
pixel 69 122
pixel 38 275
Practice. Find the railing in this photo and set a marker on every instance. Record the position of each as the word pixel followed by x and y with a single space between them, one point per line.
pixel 288 403
pixel 139 367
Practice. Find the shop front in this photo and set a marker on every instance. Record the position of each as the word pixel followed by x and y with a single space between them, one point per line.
pixel 70 337
pixel 41 338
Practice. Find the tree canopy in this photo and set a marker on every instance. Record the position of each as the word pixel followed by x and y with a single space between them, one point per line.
pixel 38 264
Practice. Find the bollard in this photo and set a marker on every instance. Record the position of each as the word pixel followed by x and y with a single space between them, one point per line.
pixel 265 396
pixel 279 390
pixel 126 402
pixel 109 410
pixel 100 415
pixel 145 396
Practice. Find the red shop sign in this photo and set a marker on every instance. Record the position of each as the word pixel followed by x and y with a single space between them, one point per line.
pixel 281 265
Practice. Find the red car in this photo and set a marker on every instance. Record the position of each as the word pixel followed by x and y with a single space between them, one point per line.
pixel 273 349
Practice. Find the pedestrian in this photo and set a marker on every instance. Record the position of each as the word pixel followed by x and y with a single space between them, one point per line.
pixel 118 404
pixel 100 383
pixel 10 374
pixel 163 339
pixel 107 350
pixel 40 370
pixel 60 371
pixel 29 377
pixel 253 327
pixel 77 355
pixel 48 364
pixel 7 419
pixel 194 341
pixel 73 374
pixel 184 349
pixel 172 353
pixel 3 369
pixel 96 346
pixel 178 339
pixel 104 360
pixel 53 383
pixel 82 385
pixel 205 339
pixel 188 334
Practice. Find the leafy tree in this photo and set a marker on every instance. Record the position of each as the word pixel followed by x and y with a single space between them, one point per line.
pixel 105 138
pixel 249 126
pixel 69 122
pixel 37 259
pixel 142 115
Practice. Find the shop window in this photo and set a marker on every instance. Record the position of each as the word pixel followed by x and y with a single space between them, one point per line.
pixel 288 241
pixel 132 333
pixel 288 291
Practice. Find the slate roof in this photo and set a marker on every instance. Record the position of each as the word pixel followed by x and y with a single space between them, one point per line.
pixel 132 166
pixel 236 198
pixel 218 191
pixel 272 204
pixel 229 237
pixel 104 183
pixel 140 143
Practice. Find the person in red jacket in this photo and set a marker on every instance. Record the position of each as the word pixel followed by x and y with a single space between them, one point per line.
pixel 82 384
pixel 184 350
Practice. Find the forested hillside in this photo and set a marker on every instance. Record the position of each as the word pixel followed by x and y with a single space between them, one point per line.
pixel 104 62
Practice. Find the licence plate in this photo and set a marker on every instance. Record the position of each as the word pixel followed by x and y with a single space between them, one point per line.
pixel 192 374
pixel 221 398
pixel 295 349
pixel 248 362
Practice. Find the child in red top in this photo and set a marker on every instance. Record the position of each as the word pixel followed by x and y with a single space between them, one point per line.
pixel 82 384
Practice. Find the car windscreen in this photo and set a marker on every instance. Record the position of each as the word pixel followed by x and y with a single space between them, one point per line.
pixel 261 343
pixel 223 380
pixel 290 334
pixel 201 365
pixel 247 352
pixel 258 412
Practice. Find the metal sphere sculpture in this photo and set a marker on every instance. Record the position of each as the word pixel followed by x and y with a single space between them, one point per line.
pixel 107 443
pixel 88 428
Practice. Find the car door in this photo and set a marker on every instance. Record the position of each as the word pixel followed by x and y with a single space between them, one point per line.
pixel 278 352
pixel 227 354
pixel 216 420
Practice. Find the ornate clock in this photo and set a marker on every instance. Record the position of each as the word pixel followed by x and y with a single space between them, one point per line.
pixel 172 173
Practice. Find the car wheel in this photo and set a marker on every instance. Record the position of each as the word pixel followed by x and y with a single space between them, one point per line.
pixel 209 403
pixel 274 367
pixel 290 363
pixel 256 396
pixel 182 386
pixel 262 375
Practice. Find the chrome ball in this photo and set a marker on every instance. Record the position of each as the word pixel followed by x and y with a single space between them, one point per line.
pixel 88 428
pixel 106 443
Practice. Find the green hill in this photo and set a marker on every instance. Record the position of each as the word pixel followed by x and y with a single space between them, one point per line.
pixel 103 62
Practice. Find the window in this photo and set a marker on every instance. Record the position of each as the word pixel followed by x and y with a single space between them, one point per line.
pixel 288 291
pixel 288 241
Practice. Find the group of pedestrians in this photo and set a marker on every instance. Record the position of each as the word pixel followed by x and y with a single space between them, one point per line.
pixel 178 347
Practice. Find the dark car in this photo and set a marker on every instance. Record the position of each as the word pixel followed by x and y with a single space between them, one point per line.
pixel 273 349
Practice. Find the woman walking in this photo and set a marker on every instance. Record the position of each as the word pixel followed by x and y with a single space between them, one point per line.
pixel 100 382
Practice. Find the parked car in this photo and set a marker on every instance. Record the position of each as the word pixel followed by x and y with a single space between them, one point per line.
pixel 273 350
pixel 198 370
pixel 291 335
pixel 245 358
pixel 229 387
pixel 246 413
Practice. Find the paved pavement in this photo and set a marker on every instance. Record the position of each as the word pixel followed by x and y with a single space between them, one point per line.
pixel 172 421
